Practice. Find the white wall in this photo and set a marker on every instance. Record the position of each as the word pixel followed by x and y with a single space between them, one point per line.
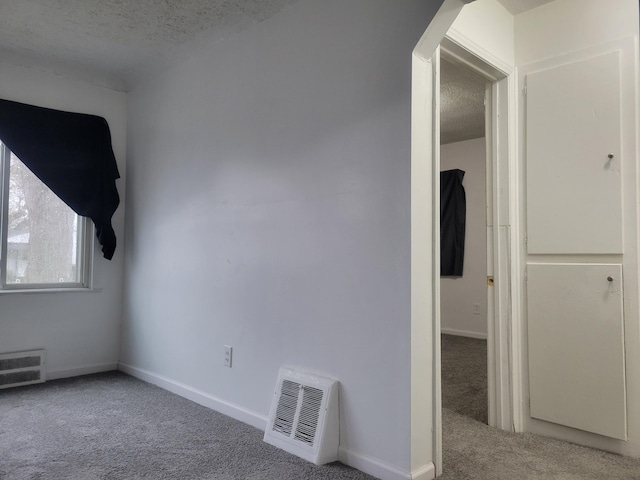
pixel 268 209
pixel 459 294
pixel 494 43
pixel 79 330
pixel 565 28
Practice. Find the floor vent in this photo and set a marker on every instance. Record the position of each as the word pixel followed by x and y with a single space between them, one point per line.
pixel 21 368
pixel 304 416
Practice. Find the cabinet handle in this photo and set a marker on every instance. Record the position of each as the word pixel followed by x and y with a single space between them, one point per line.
pixel 610 278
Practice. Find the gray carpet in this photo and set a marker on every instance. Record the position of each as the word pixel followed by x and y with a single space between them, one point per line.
pixel 464 377
pixel 473 450
pixel 112 426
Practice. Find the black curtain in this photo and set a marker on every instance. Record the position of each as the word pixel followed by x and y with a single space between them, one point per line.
pixel 71 153
pixel 453 212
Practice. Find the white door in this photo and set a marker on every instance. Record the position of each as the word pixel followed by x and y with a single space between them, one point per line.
pixel 574 219
pixel 576 347
pixel 574 194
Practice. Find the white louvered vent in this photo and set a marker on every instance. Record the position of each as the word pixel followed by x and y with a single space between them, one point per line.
pixel 304 417
pixel 21 368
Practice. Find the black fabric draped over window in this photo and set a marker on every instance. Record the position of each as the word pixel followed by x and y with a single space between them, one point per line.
pixel 453 212
pixel 71 153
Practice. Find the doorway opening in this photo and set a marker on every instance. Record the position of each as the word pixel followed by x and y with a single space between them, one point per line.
pixel 503 289
pixel 464 202
pixel 494 281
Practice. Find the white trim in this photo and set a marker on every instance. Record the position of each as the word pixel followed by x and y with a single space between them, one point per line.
pixel 425 402
pixel 364 463
pixel 425 321
pixel 29 291
pixel 4 212
pixel 437 29
pixel 516 270
pixel 383 470
pixel 428 472
pixel 461 40
pixel 198 396
pixel 502 344
pixel 504 337
pixel 463 333
pixel 502 249
pixel 435 272
pixel 423 355
pixel 76 372
pixel 505 390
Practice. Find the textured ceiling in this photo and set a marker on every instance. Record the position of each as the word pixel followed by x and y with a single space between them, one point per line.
pixel 461 103
pixel 114 42
pixel 120 39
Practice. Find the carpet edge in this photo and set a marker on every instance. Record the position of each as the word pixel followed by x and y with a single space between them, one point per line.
pixel 202 398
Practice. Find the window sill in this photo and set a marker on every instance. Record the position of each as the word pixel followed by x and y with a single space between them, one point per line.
pixel 28 291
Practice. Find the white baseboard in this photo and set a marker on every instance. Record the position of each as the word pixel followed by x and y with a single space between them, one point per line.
pixel 367 464
pixel 383 470
pixel 76 372
pixel 463 333
pixel 231 410
pixel 428 472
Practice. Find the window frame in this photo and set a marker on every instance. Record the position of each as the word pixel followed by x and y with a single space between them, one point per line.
pixel 86 235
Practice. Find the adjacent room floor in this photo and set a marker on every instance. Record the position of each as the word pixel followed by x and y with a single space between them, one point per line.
pixel 464 377
pixel 473 450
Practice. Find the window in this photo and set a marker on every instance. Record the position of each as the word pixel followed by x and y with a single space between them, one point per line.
pixel 45 244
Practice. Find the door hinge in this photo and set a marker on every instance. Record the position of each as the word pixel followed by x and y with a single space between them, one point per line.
pixel 524 90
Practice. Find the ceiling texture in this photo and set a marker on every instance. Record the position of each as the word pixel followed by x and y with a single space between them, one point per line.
pixel 116 42
pixel 121 40
pixel 461 103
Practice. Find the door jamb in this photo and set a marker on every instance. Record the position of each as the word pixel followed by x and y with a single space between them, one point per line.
pixel 504 339
pixel 425 361
pixel 505 329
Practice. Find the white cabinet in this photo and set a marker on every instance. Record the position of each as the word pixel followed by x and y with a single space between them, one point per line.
pixel 574 169
pixel 574 193
pixel 576 346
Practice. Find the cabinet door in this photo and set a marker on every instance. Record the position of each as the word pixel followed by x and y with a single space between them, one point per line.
pixel 574 193
pixel 576 346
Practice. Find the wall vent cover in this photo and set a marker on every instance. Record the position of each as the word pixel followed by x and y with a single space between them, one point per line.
pixel 21 368
pixel 304 416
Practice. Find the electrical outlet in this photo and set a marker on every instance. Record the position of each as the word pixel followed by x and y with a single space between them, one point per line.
pixel 228 353
pixel 476 309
